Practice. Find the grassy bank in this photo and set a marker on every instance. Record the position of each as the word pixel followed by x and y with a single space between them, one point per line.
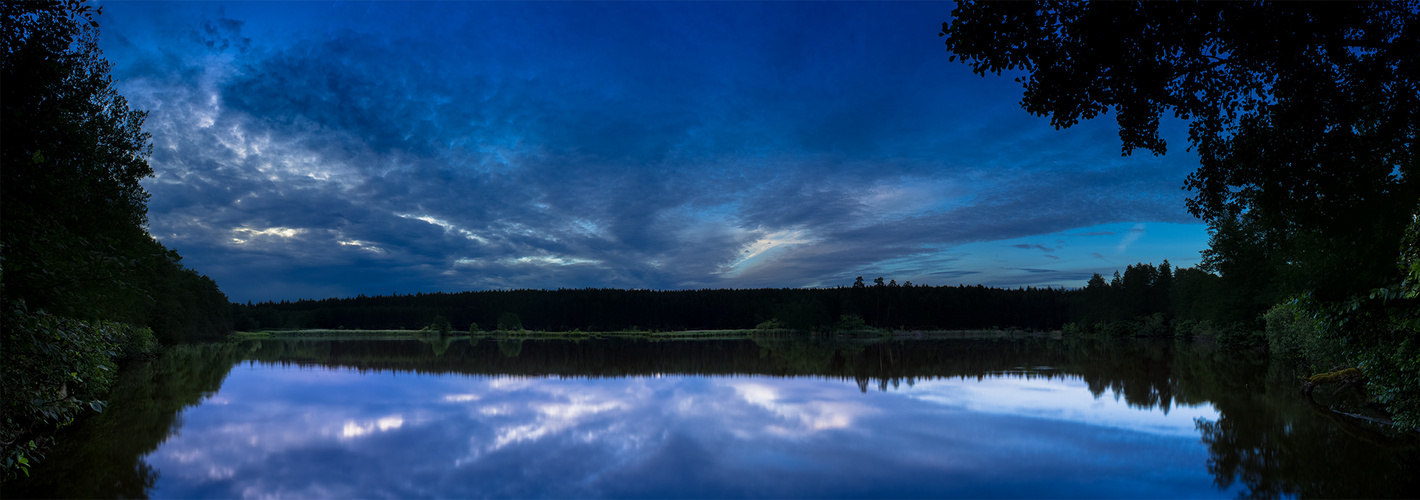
pixel 682 334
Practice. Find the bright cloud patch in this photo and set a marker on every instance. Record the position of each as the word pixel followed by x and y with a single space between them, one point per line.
pixel 245 234
pixel 767 247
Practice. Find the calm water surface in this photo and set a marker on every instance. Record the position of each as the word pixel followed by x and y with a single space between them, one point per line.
pixel 737 418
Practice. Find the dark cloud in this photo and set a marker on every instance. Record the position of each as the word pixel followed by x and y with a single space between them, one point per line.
pixel 463 146
pixel 221 34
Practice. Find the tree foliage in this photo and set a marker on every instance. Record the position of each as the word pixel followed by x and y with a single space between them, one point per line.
pixel 1304 116
pixel 73 156
pixel 72 237
pixel 55 369
pixel 441 325
pixel 83 279
pixel 509 322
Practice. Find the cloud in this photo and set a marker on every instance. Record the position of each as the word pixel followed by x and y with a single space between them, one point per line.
pixel 1031 270
pixel 1027 246
pixel 370 148
pixel 1132 236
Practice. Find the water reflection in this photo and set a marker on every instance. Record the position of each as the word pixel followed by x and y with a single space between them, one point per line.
pixel 622 418
pixel 301 432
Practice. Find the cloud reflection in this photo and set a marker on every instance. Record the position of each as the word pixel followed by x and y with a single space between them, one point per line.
pixel 1063 399
pixel 322 433
pixel 802 415
pixel 353 429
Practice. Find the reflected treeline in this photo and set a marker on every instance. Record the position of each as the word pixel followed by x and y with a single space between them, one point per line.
pixel 872 362
pixel 1141 372
pixel 101 456
pixel 1268 438
pixel 1279 444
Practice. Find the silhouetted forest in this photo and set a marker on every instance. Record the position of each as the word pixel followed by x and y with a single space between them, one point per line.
pixel 1144 300
pixel 614 309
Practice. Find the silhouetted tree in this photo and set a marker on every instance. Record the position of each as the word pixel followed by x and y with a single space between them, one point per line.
pixel 1304 117
pixel 82 276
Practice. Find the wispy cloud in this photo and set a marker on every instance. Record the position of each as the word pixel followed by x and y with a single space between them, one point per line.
pixel 370 148
pixel 1028 246
pixel 1132 236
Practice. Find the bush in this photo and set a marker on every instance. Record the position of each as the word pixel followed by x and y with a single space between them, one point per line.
pixel 1201 329
pixel 509 322
pixel 1293 334
pixel 1121 329
pixel 51 369
pixel 1153 325
pixel 772 324
pixel 851 323
pixel 441 325
pixel 473 329
pixel 140 343
pixel 1240 336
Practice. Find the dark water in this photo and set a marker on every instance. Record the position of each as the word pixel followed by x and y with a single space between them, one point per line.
pixel 715 418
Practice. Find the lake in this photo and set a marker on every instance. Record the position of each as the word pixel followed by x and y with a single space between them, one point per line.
pixel 764 417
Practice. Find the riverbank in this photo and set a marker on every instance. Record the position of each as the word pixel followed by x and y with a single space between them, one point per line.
pixel 342 334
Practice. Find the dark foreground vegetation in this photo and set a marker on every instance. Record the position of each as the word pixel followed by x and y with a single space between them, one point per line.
pixel 83 284
pixel 1304 116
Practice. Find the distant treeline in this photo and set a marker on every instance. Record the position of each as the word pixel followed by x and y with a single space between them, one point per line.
pixel 605 309
pixel 1142 292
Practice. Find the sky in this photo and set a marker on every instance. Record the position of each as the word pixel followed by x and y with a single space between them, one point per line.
pixel 329 149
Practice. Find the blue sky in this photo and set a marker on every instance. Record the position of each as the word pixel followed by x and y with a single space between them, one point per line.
pixel 317 149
